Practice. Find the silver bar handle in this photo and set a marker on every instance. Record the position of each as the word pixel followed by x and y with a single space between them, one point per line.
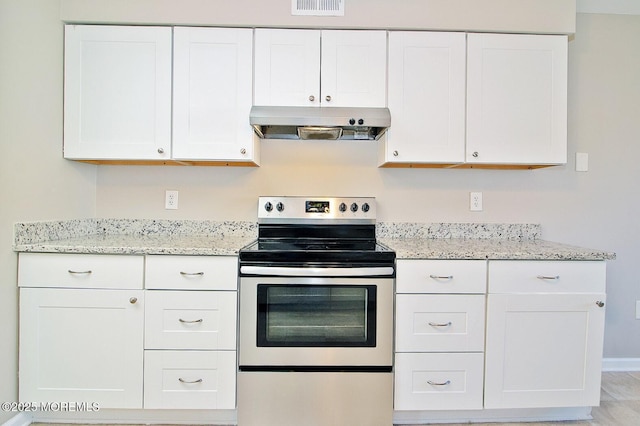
pixel 285 271
pixel 432 383
pixel 441 324
pixel 71 271
pixel 441 277
pixel 548 277
pixel 189 381
pixel 191 274
pixel 190 321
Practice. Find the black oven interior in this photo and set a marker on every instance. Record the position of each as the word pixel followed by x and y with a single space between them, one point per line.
pixel 316 315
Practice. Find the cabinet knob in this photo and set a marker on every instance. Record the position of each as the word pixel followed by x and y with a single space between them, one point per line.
pixel 243 151
pixel 600 303
pixel 475 154
pixel 160 151
pixel 395 153
pixel 312 98
pixel 133 300
pixel 328 98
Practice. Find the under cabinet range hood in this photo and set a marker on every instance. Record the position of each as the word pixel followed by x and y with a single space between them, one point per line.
pixel 317 123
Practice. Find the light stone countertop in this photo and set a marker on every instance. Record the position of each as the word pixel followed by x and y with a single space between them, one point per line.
pixel 209 238
pixel 468 248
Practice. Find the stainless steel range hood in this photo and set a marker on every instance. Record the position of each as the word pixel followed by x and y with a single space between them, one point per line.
pixel 276 122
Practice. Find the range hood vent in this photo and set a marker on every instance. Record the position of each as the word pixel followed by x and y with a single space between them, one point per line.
pixel 314 123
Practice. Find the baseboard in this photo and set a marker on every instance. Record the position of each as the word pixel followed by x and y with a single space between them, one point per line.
pixel 621 364
pixel 22 419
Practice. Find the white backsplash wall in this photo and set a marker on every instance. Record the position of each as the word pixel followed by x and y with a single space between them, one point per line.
pixel 594 209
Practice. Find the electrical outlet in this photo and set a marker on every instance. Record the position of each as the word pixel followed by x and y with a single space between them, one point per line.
pixel 171 200
pixel 475 201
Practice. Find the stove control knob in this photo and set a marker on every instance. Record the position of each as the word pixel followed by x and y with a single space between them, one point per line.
pixel 268 207
pixel 343 207
pixel 365 207
pixel 354 207
pixel 279 207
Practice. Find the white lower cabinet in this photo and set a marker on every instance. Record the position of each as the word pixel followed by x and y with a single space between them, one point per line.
pixel 80 344
pixel 190 332
pixel 439 335
pixel 88 335
pixel 190 379
pixel 438 381
pixel 545 328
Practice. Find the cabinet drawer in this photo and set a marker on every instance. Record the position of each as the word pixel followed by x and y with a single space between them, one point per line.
pixel 190 379
pixel 190 319
pixel 547 276
pixel 447 381
pixel 439 323
pixel 80 271
pixel 441 276
pixel 191 272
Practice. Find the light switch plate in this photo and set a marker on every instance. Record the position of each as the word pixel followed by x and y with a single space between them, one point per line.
pixel 582 162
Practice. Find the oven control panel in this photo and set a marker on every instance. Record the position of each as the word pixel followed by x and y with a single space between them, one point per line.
pixel 287 209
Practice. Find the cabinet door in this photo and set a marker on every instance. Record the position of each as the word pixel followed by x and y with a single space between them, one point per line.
pixel 447 381
pixel 427 73
pixel 190 380
pixel 212 94
pixel 190 320
pixel 354 68
pixel 82 345
pixel 543 350
pixel 439 323
pixel 117 92
pixel 191 272
pixel 516 99
pixel 287 67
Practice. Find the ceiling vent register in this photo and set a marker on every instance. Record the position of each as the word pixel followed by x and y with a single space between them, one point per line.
pixel 317 7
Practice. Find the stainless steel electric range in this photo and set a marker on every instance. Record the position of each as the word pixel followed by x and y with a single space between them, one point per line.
pixel 316 315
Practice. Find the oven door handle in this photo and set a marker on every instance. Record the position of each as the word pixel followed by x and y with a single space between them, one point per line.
pixel 286 271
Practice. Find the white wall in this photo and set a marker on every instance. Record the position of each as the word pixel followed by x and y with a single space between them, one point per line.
pixel 35 182
pixel 595 209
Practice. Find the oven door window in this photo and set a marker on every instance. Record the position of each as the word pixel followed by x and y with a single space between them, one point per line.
pixel 316 315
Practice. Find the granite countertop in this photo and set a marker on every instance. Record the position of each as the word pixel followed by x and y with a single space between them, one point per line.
pixel 209 238
pixel 135 236
pixel 458 248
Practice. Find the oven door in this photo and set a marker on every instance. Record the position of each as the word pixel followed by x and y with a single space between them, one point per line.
pixel 315 323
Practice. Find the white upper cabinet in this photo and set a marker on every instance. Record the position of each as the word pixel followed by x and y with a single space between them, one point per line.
pixel 354 68
pixel 287 67
pixel 516 99
pixel 212 94
pixel 117 92
pixel 426 98
pixel 320 68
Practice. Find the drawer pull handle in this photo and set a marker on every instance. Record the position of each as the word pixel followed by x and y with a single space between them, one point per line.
pixel 79 272
pixel 189 382
pixel 441 277
pixel 191 274
pixel 190 321
pixel 600 303
pixel 548 277
pixel 440 324
pixel 432 383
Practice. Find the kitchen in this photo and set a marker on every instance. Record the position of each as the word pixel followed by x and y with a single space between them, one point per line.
pixel 592 209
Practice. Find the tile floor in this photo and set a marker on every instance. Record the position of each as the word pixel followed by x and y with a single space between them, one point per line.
pixel 619 406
